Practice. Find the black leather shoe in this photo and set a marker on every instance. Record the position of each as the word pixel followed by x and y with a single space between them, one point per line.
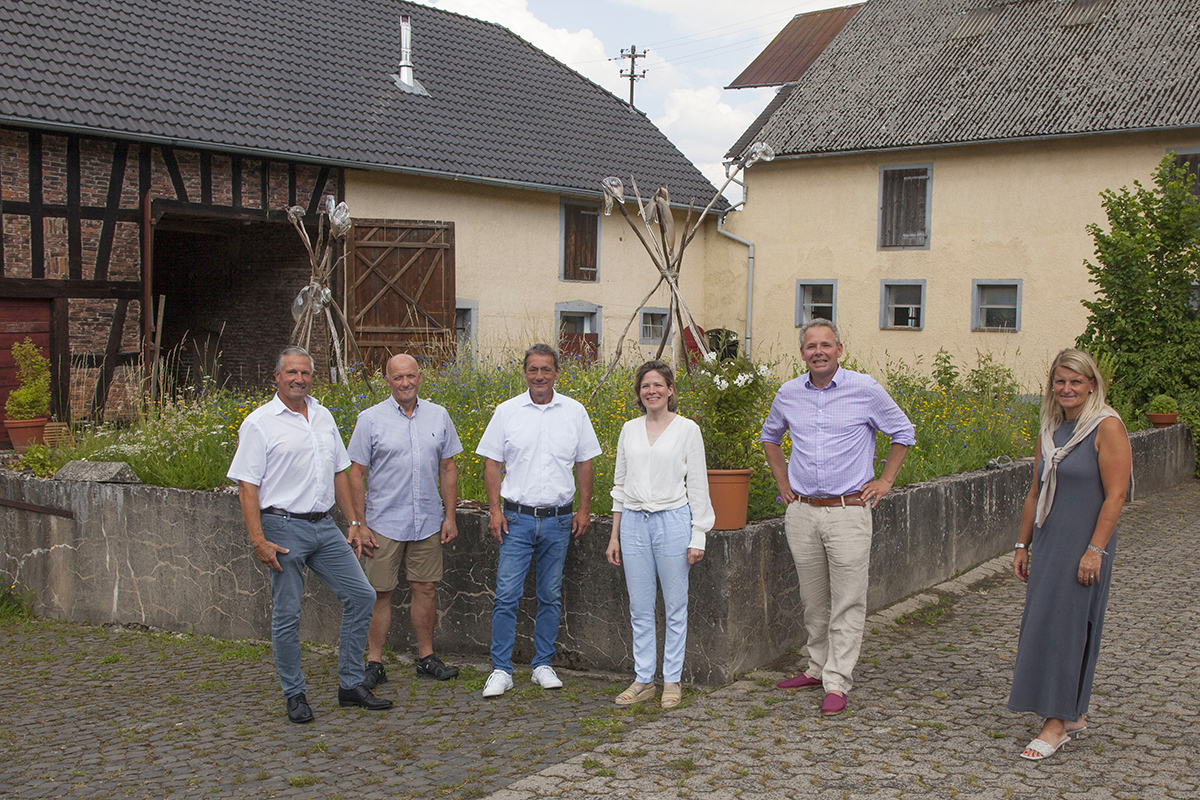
pixel 298 710
pixel 375 675
pixel 361 696
pixel 432 667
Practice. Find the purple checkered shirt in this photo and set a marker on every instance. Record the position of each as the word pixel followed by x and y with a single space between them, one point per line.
pixel 833 431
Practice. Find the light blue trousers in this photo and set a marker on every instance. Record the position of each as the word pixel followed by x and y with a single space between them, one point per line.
pixel 654 549
pixel 322 548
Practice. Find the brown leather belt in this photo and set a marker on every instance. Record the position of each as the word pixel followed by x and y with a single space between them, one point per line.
pixel 845 500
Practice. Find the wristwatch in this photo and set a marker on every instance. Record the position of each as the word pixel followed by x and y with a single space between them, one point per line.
pixel 1021 546
pixel 354 522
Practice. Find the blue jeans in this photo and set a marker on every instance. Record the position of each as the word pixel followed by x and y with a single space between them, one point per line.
pixel 545 540
pixel 322 548
pixel 654 550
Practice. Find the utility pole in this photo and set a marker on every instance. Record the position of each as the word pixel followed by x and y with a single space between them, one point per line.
pixel 633 55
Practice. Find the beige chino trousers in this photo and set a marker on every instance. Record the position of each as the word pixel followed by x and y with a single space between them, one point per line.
pixel 832 550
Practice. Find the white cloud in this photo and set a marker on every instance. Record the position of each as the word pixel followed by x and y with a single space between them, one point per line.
pixel 581 49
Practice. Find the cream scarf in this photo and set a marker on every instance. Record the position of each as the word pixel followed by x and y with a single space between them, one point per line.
pixel 1052 456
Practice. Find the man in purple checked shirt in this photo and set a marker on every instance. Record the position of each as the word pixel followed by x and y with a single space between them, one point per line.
pixel 829 486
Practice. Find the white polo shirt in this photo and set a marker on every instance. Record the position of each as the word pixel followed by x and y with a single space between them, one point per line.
pixel 539 446
pixel 292 460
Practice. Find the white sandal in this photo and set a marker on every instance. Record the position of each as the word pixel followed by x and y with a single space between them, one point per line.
pixel 1042 748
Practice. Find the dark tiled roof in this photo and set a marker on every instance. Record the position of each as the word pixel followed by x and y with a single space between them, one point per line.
pixel 795 48
pixel 899 76
pixel 311 80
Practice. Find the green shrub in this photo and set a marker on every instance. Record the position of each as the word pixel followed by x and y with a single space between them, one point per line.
pixel 31 399
pixel 1163 404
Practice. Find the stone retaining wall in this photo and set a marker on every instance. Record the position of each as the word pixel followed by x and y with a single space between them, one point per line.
pixel 179 560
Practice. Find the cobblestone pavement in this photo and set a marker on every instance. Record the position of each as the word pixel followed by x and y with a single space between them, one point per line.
pixel 96 712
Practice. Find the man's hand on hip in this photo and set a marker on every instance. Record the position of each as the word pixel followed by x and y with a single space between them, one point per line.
pixel 873 490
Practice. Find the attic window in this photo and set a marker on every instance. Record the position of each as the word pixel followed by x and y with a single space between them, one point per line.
pixel 1085 12
pixel 976 23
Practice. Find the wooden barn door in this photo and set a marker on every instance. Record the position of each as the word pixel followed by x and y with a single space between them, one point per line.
pixel 19 318
pixel 400 289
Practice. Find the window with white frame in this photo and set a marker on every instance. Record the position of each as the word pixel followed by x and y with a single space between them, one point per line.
pixel 904 205
pixel 655 322
pixel 578 325
pixel 466 324
pixel 996 305
pixel 902 305
pixel 816 300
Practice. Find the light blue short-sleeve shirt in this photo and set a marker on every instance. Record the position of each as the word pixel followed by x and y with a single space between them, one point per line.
pixel 402 455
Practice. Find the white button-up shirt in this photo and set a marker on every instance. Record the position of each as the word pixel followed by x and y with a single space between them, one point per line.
pixel 539 446
pixel 292 460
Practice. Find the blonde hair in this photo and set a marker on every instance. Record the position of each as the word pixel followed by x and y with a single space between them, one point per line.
pixel 1052 413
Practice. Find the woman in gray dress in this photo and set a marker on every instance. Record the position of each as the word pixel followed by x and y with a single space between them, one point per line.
pixel 1065 549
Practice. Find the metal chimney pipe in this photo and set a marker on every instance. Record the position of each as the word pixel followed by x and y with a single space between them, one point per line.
pixel 406 67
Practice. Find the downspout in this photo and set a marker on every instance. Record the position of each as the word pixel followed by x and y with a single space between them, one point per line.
pixel 749 279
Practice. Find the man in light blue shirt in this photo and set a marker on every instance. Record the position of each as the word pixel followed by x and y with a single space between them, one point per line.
pixel 407 445
pixel 830 486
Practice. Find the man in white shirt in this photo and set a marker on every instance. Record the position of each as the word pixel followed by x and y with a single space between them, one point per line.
pixel 407 445
pixel 290 467
pixel 536 438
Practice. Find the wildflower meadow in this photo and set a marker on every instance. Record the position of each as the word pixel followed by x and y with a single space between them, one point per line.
pixel 962 419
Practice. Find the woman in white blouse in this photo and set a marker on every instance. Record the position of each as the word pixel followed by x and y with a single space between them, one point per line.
pixel 661 513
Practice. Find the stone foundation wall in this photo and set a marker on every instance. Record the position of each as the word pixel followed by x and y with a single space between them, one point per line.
pixel 179 560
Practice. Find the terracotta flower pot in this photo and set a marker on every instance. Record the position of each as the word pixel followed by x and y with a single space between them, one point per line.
pixel 24 432
pixel 729 490
pixel 1162 420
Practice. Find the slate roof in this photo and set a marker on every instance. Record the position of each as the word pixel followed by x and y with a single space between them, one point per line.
pixel 898 75
pixel 312 80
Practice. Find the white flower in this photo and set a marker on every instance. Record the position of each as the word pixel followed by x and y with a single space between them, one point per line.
pixel 710 357
pixel 764 370
pixel 721 383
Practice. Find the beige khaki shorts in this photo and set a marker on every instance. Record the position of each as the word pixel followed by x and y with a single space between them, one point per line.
pixel 422 562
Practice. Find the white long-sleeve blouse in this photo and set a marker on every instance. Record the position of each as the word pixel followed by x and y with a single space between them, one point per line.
pixel 669 474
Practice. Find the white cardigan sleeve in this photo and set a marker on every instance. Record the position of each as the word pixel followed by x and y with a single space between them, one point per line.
pixel 703 516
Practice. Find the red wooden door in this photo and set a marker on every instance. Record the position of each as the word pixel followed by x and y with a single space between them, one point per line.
pixel 18 319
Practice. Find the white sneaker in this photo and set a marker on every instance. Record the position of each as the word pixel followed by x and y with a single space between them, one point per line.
pixel 544 677
pixel 498 683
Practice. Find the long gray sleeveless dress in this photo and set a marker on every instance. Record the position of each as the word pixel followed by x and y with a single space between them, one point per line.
pixel 1060 629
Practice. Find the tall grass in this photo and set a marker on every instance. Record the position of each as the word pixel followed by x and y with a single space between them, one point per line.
pixel 188 440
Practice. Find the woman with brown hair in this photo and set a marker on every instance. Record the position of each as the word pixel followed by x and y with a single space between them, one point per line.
pixel 661 513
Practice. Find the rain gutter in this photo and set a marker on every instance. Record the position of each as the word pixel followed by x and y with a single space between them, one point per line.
pixel 749 279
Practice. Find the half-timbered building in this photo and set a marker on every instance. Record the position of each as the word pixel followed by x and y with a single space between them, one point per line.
pixel 149 151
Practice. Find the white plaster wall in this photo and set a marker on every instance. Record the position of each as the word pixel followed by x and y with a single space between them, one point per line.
pixel 998 212
pixel 507 257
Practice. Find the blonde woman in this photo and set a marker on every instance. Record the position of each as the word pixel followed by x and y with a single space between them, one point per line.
pixel 1065 549
pixel 661 513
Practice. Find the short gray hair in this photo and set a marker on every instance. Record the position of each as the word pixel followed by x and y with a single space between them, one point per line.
pixel 540 350
pixel 294 351
pixel 820 322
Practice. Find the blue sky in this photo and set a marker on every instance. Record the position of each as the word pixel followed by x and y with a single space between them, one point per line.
pixel 696 48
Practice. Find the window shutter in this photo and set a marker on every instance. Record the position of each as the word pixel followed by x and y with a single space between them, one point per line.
pixel 903 208
pixel 579 252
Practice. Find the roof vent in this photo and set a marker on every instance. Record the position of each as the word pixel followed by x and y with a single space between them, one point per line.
pixel 1084 12
pixel 405 80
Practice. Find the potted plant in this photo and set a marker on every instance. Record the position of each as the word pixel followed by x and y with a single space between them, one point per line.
pixel 725 393
pixel 27 409
pixel 1162 411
